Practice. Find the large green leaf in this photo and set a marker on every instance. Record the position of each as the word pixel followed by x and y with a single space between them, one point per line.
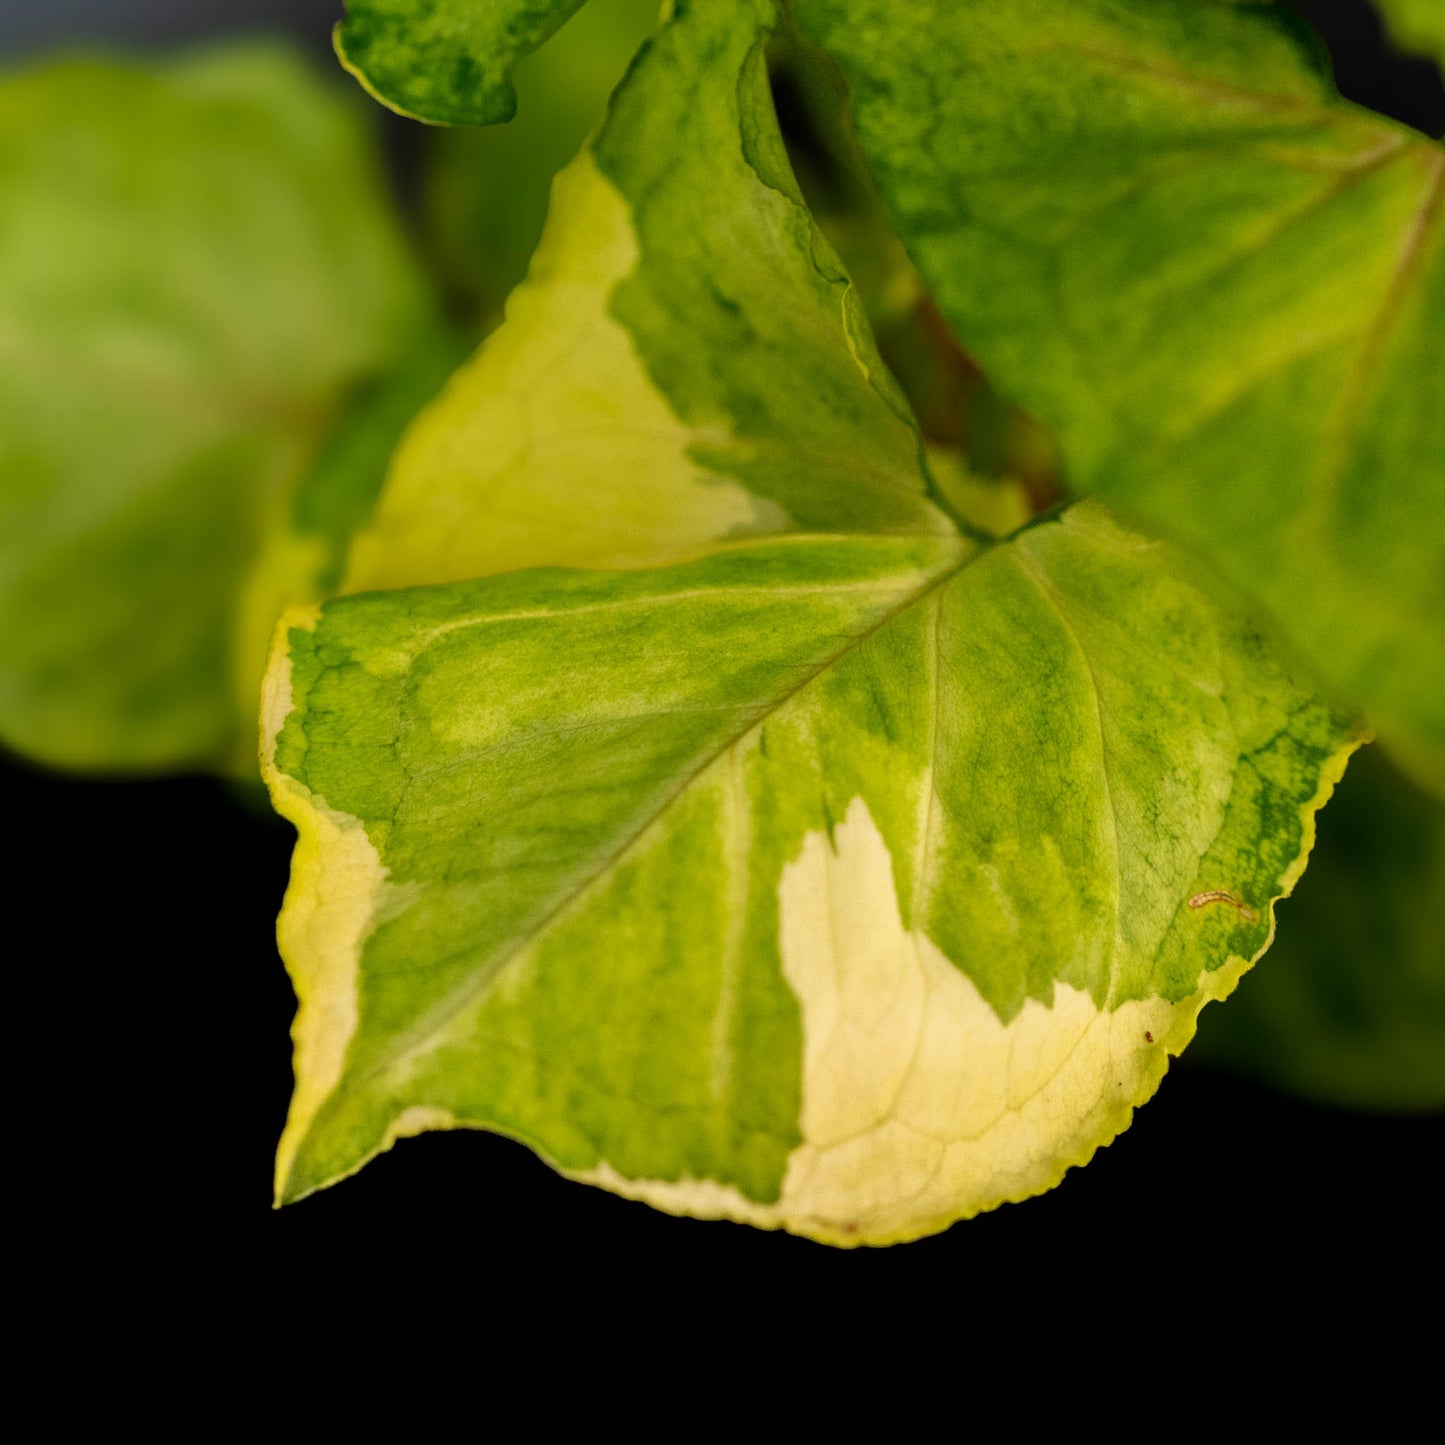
pixel 847 880
pixel 1417 25
pixel 1351 1007
pixel 1158 227
pixel 197 266
pixel 446 61
pixel 824 882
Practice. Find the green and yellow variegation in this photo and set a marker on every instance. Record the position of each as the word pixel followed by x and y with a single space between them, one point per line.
pixel 446 61
pixel 683 791
pixel 484 189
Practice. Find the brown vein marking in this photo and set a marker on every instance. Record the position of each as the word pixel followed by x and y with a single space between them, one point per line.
pixel 1353 393
pixel 1218 895
pixel 1412 251
pixel 1219 91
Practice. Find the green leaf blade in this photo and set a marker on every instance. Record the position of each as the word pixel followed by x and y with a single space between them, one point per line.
pixel 598 849
pixel 849 880
pixel 1158 228
pixel 484 190
pixel 448 62
pixel 757 621
pixel 686 362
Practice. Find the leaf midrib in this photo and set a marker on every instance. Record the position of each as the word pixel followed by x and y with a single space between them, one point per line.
pixel 415 1039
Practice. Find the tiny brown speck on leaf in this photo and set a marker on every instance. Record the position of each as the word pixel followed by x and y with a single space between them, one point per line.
pixel 1218 895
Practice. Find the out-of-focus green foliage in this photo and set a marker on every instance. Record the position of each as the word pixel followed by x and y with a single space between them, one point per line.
pixel 1417 25
pixel 1158 227
pixel 199 265
pixel 1350 1008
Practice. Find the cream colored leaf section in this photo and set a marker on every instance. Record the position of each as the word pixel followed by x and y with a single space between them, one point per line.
pixel 337 891
pixel 551 447
pixel 920 1105
pixel 288 567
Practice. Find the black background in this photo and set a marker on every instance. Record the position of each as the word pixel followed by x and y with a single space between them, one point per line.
pixel 158 1012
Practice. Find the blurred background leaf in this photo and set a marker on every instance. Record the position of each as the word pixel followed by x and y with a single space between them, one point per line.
pixel 1418 25
pixel 213 330
pixel 199 264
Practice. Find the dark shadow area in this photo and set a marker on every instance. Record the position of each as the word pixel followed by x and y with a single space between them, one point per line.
pixel 27 29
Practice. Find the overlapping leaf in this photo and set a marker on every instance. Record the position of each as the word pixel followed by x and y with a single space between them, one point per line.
pixel 1157 226
pixel 785 854
pixel 645 396
pixel 485 189
pixel 197 266
pixel 446 61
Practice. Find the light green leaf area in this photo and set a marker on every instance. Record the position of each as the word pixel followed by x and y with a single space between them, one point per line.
pixel 1417 25
pixel 687 361
pixel 197 266
pixel 446 61
pixel 846 884
pixel 1350 1009
pixel 989 506
pixel 1157 227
